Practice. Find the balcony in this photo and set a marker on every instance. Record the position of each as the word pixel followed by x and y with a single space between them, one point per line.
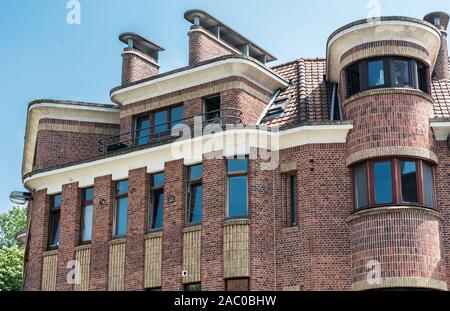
pixel 162 133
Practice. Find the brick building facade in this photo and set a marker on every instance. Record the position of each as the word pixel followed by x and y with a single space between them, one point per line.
pixel 316 174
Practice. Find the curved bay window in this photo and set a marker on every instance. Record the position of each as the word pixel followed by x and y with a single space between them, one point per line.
pixel 386 72
pixel 395 181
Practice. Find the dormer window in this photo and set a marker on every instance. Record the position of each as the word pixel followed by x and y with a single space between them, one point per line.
pixel 276 109
pixel 386 72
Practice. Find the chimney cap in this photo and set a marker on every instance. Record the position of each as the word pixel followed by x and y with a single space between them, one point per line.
pixel 228 34
pixel 139 42
pixel 443 18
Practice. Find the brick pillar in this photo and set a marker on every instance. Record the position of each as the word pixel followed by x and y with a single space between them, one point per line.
pixel 101 232
pixel 172 248
pixel 262 253
pixel 138 189
pixel 214 201
pixel 137 66
pixel 69 233
pixel 38 240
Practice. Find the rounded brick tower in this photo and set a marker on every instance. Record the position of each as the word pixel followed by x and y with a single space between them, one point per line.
pixel 384 68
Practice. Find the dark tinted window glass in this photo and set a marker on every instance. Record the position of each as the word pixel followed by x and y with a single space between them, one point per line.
pixel 195 215
pixel 428 185
pixel 193 287
pixel 353 77
pixel 86 230
pixel 237 165
pixel 57 201
pixel 160 122
pixel 212 108
pixel 293 190
pixel 400 76
pixel 422 78
pixel 142 130
pixel 361 196
pixel 382 174
pixel 408 173
pixel 158 209
pixel 158 180
pixel 375 73
pixel 122 209
pixel 237 196
pixel 195 172
pixel 121 187
pixel 54 225
pixel 176 116
pixel 89 194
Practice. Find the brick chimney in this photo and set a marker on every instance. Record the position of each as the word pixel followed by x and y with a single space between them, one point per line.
pixel 139 58
pixel 210 38
pixel 440 20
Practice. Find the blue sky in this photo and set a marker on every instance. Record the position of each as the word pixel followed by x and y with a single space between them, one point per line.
pixel 42 56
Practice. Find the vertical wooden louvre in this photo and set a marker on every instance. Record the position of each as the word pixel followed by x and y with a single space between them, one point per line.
pixel 116 266
pixel 49 271
pixel 83 256
pixel 236 249
pixel 153 256
pixel 192 255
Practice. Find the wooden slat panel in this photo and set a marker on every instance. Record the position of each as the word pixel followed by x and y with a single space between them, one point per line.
pixel 116 266
pixel 236 249
pixel 192 256
pixel 83 256
pixel 49 272
pixel 153 261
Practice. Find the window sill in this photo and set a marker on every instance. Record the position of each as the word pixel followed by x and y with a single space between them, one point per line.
pixel 290 230
pixel 154 234
pixel 392 209
pixel 50 252
pixel 118 240
pixel 236 221
pixel 388 90
pixel 83 247
pixel 192 228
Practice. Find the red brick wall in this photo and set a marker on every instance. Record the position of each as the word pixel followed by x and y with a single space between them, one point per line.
pixel 172 247
pixel 69 233
pixel 443 199
pixel 406 243
pixel 38 239
pixel 101 232
pixel 385 120
pixel 214 201
pixel 55 148
pixel 441 69
pixel 136 66
pixel 138 198
pixel 203 48
pixel 250 106
pixel 317 256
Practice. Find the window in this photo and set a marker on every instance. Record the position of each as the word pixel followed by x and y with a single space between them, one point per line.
pixel 394 181
pixel 382 175
pixel 194 192
pixel 121 209
pixel 293 199
pixel 157 201
pixel 238 285
pixel 276 109
pixel 212 108
pixel 195 287
pixel 386 72
pixel 87 209
pixel 237 170
pixel 375 73
pixel 408 173
pixel 155 124
pixel 54 225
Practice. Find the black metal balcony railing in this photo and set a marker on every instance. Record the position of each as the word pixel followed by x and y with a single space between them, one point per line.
pixel 162 133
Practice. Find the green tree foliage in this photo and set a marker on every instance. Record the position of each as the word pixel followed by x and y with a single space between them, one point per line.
pixel 12 224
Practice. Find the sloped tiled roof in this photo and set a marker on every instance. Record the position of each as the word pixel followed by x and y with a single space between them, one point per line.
pixel 310 94
pixel 308 91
